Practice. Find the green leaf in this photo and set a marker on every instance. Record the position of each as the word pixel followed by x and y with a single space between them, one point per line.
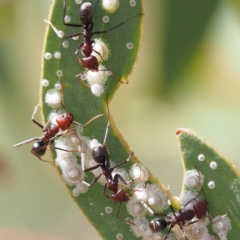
pixel 79 100
pixel 224 198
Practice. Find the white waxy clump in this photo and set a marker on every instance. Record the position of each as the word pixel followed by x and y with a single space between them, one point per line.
pixel 197 231
pixel 45 83
pixel 74 175
pixel 123 173
pixel 75 38
pixel 97 171
pixel 58 86
pixel 201 157
pixel 59 73
pixel 102 48
pixel 83 77
pixel 110 5
pixel 132 3
pixel 135 208
pixel 140 192
pixel 57 55
pixel 193 180
pixel 211 184
pixel 129 45
pixel 67 19
pixel 105 19
pixel 82 187
pixel 53 98
pixel 119 236
pixel 157 199
pixel 108 210
pixel 97 89
pixel 67 156
pixel 47 55
pixel 189 196
pixel 73 137
pixel 78 1
pixel 96 77
pixel 65 44
pixel 75 192
pixel 139 172
pixel 222 226
pixel 141 227
pixel 213 165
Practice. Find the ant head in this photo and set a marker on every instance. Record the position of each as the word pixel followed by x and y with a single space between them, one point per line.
pixel 99 154
pixel 158 224
pixel 85 13
pixel 90 62
pixel 64 121
pixel 39 148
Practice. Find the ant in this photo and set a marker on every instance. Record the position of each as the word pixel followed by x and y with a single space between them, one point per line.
pixel 101 156
pixel 85 14
pixel 64 122
pixel 200 210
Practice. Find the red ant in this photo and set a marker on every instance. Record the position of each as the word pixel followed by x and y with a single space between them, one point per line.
pixel 64 122
pixel 101 156
pixel 200 210
pixel 85 14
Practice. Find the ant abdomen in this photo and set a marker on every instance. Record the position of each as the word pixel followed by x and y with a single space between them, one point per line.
pixel 37 150
pixel 157 224
pixel 99 154
pixel 85 13
pixel 65 121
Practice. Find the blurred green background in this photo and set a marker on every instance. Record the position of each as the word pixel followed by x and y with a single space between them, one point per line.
pixel 187 75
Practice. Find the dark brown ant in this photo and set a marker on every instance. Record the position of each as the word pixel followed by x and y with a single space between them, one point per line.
pixel 64 122
pixel 85 14
pixel 101 156
pixel 183 217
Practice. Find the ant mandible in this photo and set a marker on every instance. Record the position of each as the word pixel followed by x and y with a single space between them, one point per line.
pixel 101 157
pixel 64 122
pixel 85 14
pixel 200 210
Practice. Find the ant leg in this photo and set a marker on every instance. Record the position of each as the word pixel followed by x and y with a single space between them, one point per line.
pixel 33 115
pixel 188 202
pixel 34 152
pixel 92 168
pixel 27 141
pixel 200 180
pixel 78 76
pixel 118 25
pixel 183 232
pixel 121 218
pixel 89 121
pixel 152 212
pixel 168 232
pixel 59 33
pixel 114 75
pixel 119 177
pixel 76 52
pixel 93 11
pixel 64 15
pixel 122 163
pixel 99 55
pixel 104 191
